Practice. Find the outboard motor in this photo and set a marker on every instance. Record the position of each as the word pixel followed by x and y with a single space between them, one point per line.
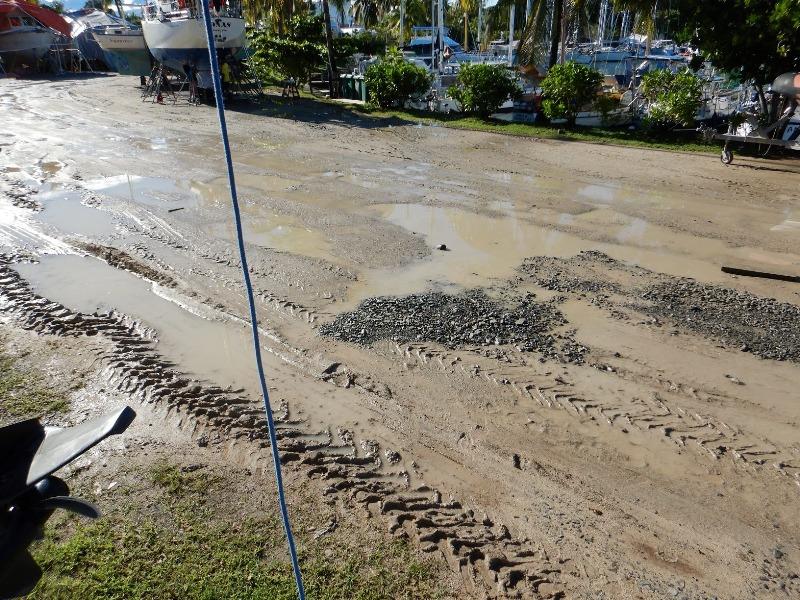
pixel 788 85
pixel 29 493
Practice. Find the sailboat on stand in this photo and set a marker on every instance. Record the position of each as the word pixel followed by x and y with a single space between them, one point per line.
pixel 176 36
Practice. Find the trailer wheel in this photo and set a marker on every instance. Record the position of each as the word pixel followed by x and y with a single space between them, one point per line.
pixel 726 157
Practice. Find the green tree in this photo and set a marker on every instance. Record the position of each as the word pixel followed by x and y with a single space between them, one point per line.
pixel 297 53
pixel 543 32
pixel 482 88
pixel 756 39
pixel 394 80
pixel 673 99
pixel 567 89
pixel 56 6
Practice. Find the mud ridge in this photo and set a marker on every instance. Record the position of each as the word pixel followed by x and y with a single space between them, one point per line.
pixel 492 563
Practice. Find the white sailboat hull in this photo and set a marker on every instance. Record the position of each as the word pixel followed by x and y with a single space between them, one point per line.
pixel 190 34
pixel 182 42
pixel 122 41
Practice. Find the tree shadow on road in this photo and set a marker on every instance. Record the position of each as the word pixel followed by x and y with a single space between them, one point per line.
pixel 311 110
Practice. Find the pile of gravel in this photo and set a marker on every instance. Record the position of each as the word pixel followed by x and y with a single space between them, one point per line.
pixel 464 320
pixel 764 326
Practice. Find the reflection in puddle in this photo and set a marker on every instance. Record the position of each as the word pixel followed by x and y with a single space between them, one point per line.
pixel 154 191
pixel 280 232
pixel 64 211
pixel 604 194
pixel 483 248
pixel 210 349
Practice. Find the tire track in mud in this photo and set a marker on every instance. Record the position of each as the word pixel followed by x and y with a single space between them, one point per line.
pixel 536 391
pixel 491 562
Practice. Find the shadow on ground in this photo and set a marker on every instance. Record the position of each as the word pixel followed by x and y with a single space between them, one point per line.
pixel 311 110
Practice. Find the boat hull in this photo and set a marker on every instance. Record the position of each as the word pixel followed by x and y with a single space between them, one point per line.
pixel 127 51
pixel 183 42
pixel 25 45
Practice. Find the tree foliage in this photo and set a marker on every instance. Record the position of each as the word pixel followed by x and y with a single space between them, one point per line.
pixel 482 88
pixel 296 54
pixel 567 88
pixel 673 99
pixel 394 80
pixel 756 39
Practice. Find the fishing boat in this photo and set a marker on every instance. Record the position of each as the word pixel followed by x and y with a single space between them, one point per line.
pixel 26 33
pixel 176 36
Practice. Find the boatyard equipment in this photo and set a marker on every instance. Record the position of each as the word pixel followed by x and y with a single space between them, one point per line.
pixel 29 492
pixel 783 131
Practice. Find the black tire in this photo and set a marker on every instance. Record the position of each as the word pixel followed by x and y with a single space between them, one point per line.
pixel 726 157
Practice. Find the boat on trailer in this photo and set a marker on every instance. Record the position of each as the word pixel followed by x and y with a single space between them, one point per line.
pixel 175 34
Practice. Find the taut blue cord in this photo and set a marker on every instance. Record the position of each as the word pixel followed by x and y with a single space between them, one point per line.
pixel 276 459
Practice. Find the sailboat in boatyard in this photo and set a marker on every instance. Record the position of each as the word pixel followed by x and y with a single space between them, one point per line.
pixel 125 44
pixel 175 33
pixel 26 33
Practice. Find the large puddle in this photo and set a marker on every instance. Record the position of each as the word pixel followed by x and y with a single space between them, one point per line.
pixel 152 191
pixel 214 350
pixel 64 211
pixel 482 248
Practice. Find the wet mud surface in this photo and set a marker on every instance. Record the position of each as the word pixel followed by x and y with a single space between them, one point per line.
pixel 573 401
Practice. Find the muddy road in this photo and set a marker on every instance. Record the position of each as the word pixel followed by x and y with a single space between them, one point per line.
pixel 571 401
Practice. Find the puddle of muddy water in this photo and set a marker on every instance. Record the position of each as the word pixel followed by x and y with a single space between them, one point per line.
pixel 482 248
pixel 64 211
pixel 152 191
pixel 279 232
pixel 215 350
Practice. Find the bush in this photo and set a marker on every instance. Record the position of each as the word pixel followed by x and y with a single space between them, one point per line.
pixel 394 80
pixel 482 89
pixel 365 43
pixel 605 105
pixel 567 88
pixel 673 99
pixel 297 53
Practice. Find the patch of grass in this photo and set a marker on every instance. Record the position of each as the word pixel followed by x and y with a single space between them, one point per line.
pixel 596 135
pixel 180 482
pixel 175 546
pixel 24 393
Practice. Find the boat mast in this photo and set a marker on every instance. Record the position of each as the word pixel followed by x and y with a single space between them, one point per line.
pixel 511 34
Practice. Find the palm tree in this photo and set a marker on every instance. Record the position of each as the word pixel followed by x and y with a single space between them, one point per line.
pixel 467 8
pixel 551 20
pixel 274 13
pixel 416 11
pixel 369 12
pixel 333 75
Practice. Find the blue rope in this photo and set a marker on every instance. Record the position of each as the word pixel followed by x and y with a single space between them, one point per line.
pixel 276 459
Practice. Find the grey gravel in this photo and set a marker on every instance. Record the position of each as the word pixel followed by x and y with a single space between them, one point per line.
pixel 763 326
pixel 465 320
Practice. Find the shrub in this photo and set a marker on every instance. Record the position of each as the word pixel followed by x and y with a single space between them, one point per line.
pixel 482 88
pixel 297 53
pixel 673 99
pixel 605 104
pixel 567 88
pixel 394 80
pixel 365 42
